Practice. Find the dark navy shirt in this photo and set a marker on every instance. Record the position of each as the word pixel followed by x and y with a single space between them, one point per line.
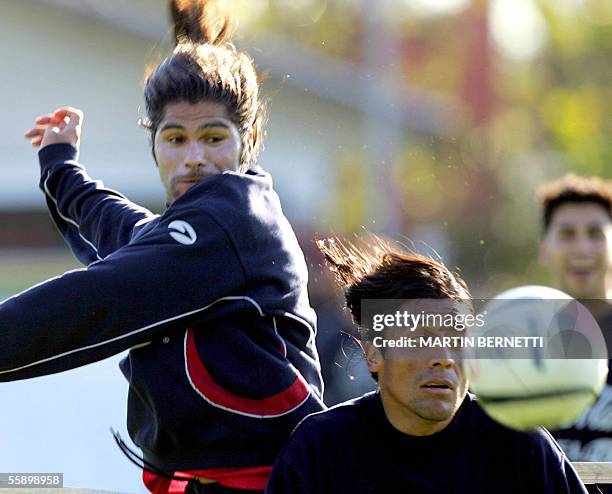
pixel 353 448
pixel 590 437
pixel 210 297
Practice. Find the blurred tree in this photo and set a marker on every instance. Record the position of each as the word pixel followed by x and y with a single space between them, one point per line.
pixel 533 81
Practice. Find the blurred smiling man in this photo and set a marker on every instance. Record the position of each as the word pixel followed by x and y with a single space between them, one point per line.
pixel 577 251
pixel 577 244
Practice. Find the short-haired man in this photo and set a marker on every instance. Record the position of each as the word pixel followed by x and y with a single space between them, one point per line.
pixel 577 250
pixel 421 432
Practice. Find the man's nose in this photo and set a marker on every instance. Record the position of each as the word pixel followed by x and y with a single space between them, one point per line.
pixel 196 156
pixel 582 245
pixel 443 359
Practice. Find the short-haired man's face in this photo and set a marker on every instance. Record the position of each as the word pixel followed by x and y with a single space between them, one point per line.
pixel 421 389
pixel 577 249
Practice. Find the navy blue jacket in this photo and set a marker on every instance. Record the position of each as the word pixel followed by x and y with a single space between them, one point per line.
pixel 354 449
pixel 210 297
pixel 589 438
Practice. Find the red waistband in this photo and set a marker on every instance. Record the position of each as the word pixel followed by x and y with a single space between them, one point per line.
pixel 251 478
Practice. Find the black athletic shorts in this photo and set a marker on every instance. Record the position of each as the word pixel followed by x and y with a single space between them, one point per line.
pixel 195 487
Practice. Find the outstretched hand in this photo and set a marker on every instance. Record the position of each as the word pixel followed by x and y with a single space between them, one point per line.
pixel 61 126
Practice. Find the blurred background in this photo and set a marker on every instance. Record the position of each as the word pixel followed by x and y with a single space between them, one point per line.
pixel 430 122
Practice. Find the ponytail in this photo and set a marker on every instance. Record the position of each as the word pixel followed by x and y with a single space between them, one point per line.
pixel 205 66
pixel 195 21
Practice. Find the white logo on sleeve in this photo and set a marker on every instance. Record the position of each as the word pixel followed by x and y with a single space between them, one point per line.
pixel 182 232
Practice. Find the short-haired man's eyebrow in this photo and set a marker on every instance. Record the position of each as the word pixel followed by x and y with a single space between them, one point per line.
pixel 565 228
pixel 596 227
pixel 599 225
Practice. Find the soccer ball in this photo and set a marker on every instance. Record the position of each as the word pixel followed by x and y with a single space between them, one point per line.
pixel 543 359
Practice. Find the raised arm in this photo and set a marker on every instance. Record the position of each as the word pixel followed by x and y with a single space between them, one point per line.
pixel 95 221
pixel 166 278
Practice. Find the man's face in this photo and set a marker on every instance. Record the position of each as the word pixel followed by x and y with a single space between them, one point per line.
pixel 421 389
pixel 577 249
pixel 194 141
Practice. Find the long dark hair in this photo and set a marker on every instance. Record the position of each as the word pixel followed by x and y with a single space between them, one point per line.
pixel 378 271
pixel 204 65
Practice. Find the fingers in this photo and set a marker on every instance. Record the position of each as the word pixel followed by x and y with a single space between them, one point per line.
pixel 36 142
pixel 47 119
pixel 42 123
pixel 63 125
pixel 35 135
pixel 61 117
pixel 28 134
pixel 73 115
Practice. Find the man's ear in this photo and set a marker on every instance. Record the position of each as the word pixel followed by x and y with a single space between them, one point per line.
pixel 374 357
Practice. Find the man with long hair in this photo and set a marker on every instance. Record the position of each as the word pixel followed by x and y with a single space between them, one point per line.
pixel 210 296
